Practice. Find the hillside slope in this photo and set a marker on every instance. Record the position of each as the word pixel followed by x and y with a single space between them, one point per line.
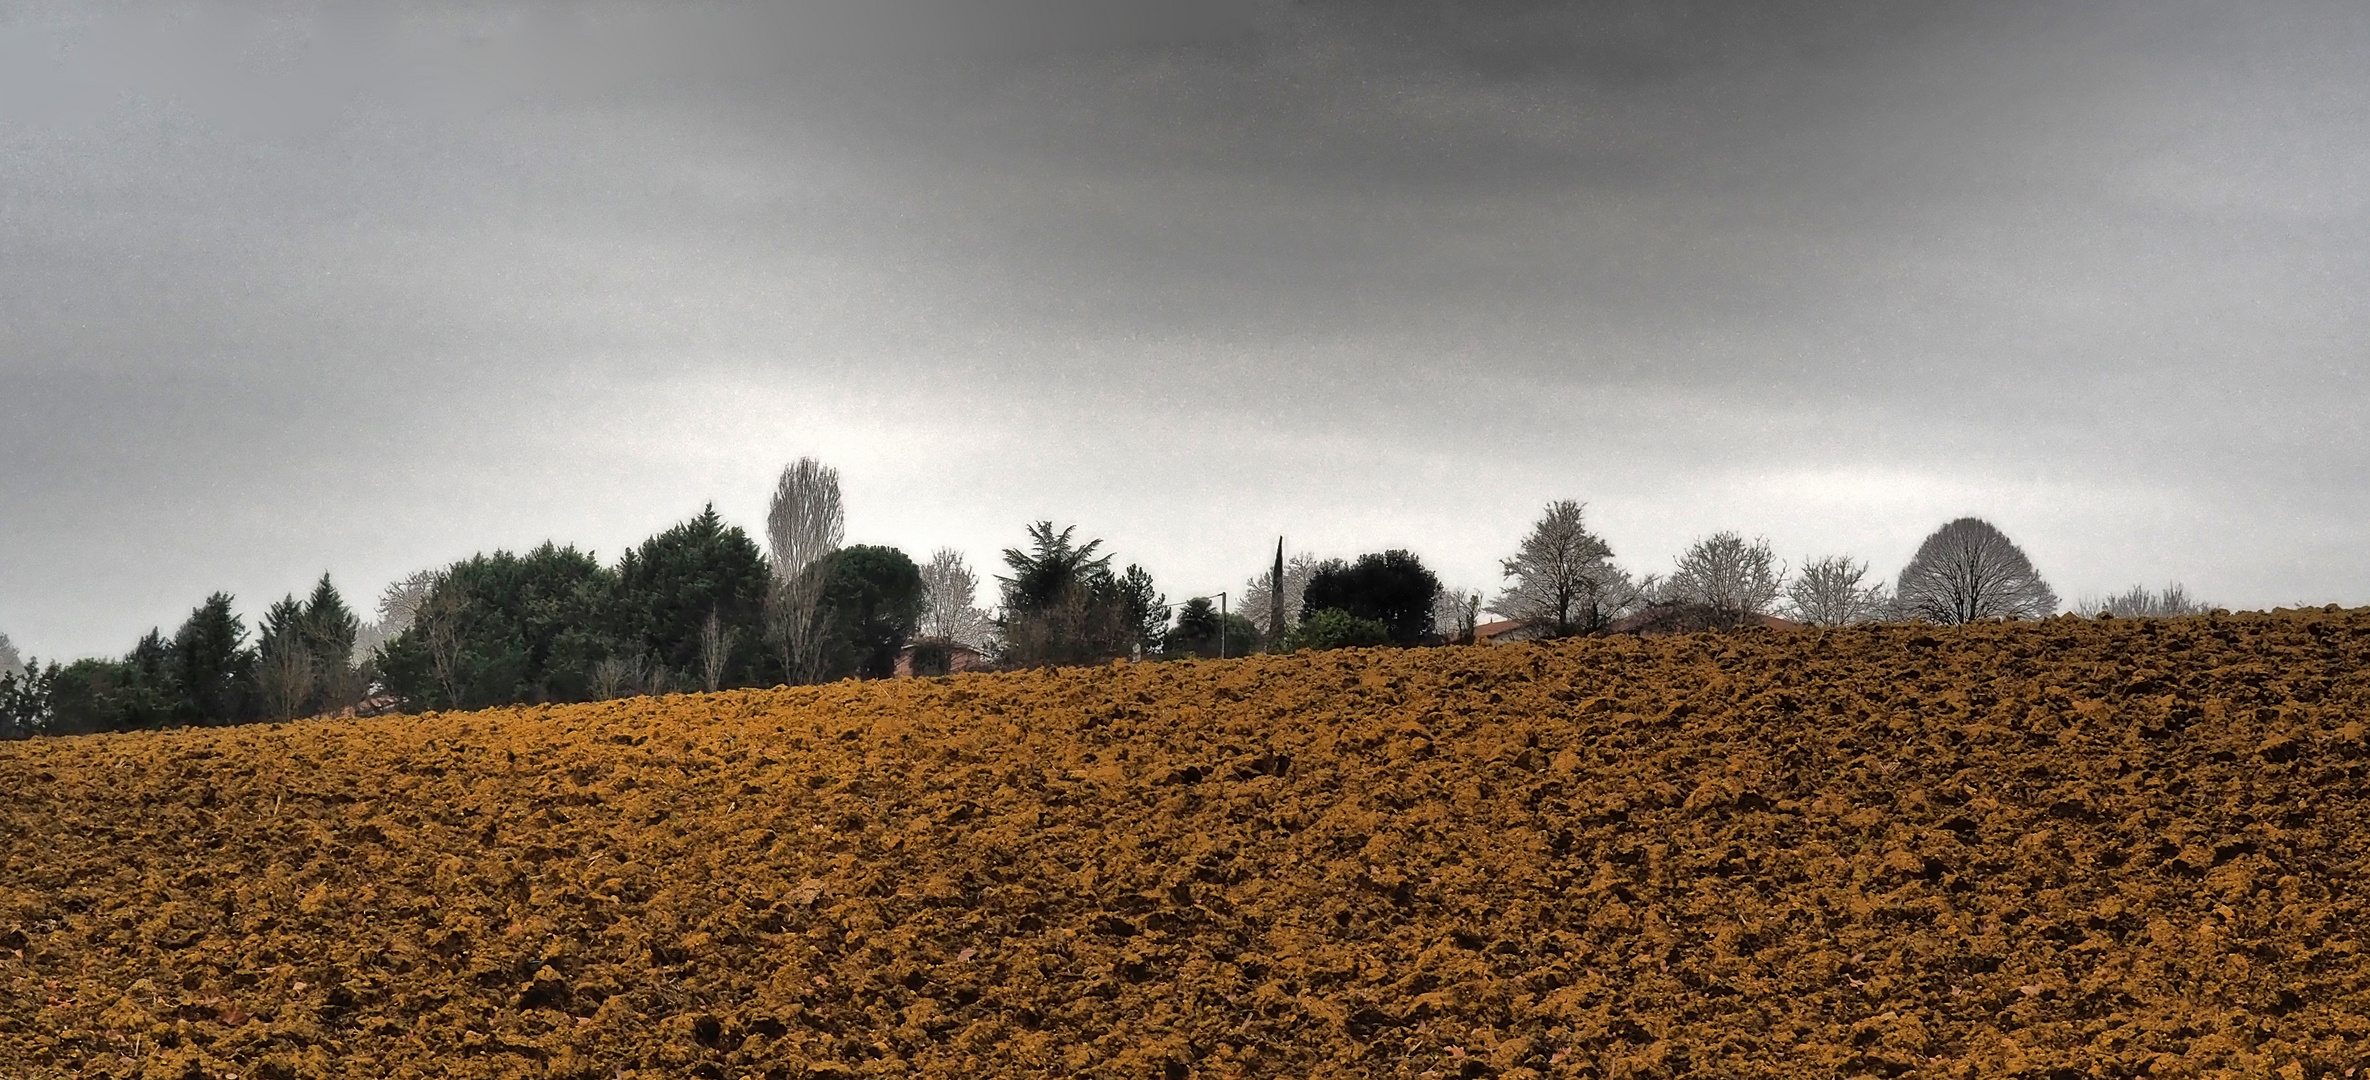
pixel 2067 849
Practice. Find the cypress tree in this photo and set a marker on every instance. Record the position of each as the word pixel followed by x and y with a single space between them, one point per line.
pixel 213 666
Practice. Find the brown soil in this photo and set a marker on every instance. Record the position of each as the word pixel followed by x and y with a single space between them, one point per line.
pixel 2068 849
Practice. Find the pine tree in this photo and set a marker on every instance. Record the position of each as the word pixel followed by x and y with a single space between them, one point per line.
pixel 212 666
pixel 284 666
pixel 675 582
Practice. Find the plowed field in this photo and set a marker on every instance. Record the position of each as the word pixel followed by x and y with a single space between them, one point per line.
pixel 2069 849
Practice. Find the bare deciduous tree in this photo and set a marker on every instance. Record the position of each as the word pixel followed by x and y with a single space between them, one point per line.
pixel 950 590
pixel 617 676
pixel 1564 579
pixel 2140 603
pixel 1969 570
pixel 805 523
pixel 1454 613
pixel 439 618
pixel 1729 579
pixel 1829 592
pixel 10 662
pixel 398 607
pixel 287 676
pixel 715 648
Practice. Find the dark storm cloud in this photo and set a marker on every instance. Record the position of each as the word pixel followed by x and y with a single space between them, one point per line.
pixel 371 288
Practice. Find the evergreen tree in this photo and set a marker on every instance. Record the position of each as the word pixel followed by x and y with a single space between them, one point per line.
pixel 872 598
pixel 285 675
pixel 1062 605
pixel 26 694
pixel 137 692
pixel 328 630
pixel 670 586
pixel 1392 588
pixel 212 666
pixel 1203 631
pixel 504 628
pixel 1147 610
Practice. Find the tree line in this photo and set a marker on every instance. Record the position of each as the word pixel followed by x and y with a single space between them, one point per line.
pixel 703 605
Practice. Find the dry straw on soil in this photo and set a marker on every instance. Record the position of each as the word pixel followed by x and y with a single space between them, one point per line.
pixel 2057 850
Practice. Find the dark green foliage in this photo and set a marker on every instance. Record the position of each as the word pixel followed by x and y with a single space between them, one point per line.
pixel 328 630
pixel 136 692
pixel 204 675
pixel 1062 605
pixel 284 673
pixel 304 655
pixel 1147 609
pixel 26 693
pixel 1392 588
pixel 872 596
pixel 506 628
pixel 1197 633
pixel 668 587
pixel 555 625
pixel 1050 570
pixel 88 695
pixel 1333 628
pixel 212 666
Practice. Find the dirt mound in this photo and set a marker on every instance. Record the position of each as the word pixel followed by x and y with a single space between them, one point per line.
pixel 2068 849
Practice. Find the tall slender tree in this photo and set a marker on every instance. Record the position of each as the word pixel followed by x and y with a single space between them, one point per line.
pixel 1275 595
pixel 27 694
pixel 1147 610
pixel 1260 597
pixel 804 524
pixel 715 650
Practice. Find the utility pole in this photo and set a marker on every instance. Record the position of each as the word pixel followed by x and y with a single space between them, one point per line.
pixel 1222 626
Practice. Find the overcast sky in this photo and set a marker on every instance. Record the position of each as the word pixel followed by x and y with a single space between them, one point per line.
pixel 367 294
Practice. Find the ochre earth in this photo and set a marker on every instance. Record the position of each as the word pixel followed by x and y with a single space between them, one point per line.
pixel 2068 849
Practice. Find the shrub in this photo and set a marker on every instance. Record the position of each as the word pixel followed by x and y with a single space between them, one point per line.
pixel 1333 628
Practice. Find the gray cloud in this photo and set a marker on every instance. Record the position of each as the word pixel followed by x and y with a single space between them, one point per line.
pixel 369 292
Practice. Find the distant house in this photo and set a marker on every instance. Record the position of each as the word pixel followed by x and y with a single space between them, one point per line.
pixel 1506 632
pixel 374 705
pixel 959 657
